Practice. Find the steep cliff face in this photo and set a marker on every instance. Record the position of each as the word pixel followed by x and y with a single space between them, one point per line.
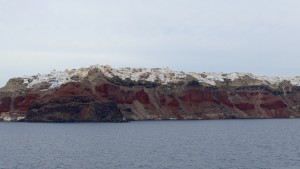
pixel 103 94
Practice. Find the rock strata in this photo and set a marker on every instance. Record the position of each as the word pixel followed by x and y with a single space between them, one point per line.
pixel 104 94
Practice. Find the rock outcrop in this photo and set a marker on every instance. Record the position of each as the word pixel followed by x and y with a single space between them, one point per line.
pixel 104 94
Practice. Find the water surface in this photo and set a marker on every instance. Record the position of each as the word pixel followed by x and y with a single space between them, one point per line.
pixel 244 144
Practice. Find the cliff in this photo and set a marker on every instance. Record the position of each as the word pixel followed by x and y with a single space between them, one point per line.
pixel 104 94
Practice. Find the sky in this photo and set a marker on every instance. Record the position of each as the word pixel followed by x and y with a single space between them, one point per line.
pixel 257 36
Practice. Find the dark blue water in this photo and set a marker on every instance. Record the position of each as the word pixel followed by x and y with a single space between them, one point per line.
pixel 229 144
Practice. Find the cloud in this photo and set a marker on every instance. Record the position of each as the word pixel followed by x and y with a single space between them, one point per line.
pixel 191 35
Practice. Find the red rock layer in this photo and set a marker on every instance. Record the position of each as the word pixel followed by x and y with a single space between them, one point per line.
pixel 101 100
pixel 5 104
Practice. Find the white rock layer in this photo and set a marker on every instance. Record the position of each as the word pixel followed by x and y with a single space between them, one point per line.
pixel 160 75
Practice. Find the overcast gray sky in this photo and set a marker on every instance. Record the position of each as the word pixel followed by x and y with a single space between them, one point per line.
pixel 257 36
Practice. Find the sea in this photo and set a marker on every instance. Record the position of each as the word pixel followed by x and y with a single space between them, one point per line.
pixel 203 144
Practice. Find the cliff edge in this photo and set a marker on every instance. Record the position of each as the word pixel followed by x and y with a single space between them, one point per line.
pixel 104 94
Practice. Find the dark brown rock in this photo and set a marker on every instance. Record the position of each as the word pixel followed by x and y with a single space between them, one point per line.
pixel 5 104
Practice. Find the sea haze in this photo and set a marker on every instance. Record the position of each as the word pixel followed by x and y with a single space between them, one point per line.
pixel 245 144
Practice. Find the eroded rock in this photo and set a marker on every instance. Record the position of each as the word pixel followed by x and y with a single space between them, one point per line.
pixel 104 94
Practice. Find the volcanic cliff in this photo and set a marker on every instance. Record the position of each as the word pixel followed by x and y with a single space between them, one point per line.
pixel 105 94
